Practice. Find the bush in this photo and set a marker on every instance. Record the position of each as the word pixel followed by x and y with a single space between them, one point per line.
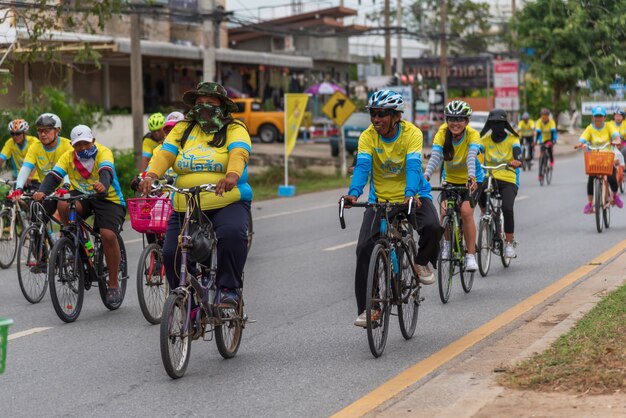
pixel 125 169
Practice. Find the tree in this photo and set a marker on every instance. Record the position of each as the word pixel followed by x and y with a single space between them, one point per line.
pixel 568 41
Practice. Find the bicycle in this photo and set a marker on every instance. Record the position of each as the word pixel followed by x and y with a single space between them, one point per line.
pixel 13 221
pixel 527 161
pixel 454 264
pixel 33 252
pixel 178 326
pixel 73 268
pixel 491 238
pixel 545 169
pixel 600 165
pixel 392 277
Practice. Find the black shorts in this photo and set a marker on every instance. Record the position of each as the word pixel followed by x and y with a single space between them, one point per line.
pixel 466 194
pixel 107 215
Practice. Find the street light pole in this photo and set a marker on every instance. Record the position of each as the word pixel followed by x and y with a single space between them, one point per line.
pixel 443 61
pixel 136 83
pixel 387 40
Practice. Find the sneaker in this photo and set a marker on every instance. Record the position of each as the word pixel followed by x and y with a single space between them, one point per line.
pixel 445 250
pixel 114 296
pixel 551 163
pixel 588 209
pixel 618 201
pixel 228 298
pixel 361 320
pixel 539 178
pixel 425 275
pixel 38 267
pixel 470 263
pixel 509 251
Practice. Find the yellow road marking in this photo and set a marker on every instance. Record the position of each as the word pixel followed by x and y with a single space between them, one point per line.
pixel 27 332
pixel 422 369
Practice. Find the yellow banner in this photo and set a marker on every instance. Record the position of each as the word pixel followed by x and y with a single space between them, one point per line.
pixel 295 106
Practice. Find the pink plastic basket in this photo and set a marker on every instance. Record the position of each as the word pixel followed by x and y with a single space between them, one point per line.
pixel 149 214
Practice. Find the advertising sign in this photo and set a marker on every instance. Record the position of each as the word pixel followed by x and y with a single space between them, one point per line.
pixel 463 72
pixel 506 84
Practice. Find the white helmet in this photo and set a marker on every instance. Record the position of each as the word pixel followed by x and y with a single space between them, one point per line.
pixel 18 125
pixel 48 119
pixel 386 99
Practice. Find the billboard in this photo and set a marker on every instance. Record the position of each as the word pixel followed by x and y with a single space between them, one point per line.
pixel 463 72
pixel 506 84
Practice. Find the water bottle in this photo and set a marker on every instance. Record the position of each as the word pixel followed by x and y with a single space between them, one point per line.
pixel 89 248
pixel 394 261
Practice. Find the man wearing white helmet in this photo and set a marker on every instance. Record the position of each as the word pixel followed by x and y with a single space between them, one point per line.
pixel 389 154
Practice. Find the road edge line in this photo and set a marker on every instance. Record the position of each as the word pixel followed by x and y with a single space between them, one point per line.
pixel 24 333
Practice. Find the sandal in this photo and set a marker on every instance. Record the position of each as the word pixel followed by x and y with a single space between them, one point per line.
pixel 114 296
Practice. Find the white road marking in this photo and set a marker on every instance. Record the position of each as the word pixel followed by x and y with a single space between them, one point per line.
pixel 275 215
pixel 522 197
pixel 339 247
pixel 27 332
pixel 132 241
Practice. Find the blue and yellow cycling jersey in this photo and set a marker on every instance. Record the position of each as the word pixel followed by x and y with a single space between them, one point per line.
pixel 44 159
pixel 497 153
pixel 395 165
pixel 103 161
pixel 170 172
pixel 526 128
pixel 545 131
pixel 148 145
pixel 621 128
pixel 456 169
pixel 15 154
pixel 200 163
pixel 598 137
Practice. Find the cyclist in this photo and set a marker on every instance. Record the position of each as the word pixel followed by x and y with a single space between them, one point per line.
pixel 156 122
pixel 620 127
pixel 16 147
pixel 209 146
pixel 459 144
pixel 389 153
pixel 545 128
pixel 526 129
pixel 90 168
pixel 597 134
pixel 42 155
pixel 501 145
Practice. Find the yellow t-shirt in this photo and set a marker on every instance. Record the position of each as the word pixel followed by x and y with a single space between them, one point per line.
pixel 621 129
pixel 199 163
pixel 497 153
pixel 169 171
pixel 44 159
pixel 598 137
pixel 526 128
pixel 148 145
pixel 456 169
pixel 13 153
pixel 395 163
pixel 104 161
pixel 544 130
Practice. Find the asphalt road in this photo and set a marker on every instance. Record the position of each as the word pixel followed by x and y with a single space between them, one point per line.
pixel 303 356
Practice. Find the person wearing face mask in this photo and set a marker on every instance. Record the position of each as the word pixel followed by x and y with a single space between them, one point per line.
pixel 90 168
pixel 209 146
pixel 459 144
pixel 389 155
pixel 501 145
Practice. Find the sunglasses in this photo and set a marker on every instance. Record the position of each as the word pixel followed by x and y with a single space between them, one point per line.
pixel 456 119
pixel 379 113
pixel 44 131
pixel 16 133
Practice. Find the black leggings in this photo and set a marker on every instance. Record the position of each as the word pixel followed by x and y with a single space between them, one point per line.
pixel 612 183
pixel 508 192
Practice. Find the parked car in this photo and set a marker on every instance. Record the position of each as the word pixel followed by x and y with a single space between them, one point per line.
pixel 268 126
pixel 356 123
pixel 478 120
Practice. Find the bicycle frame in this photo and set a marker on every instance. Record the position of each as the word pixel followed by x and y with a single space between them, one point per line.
pixel 453 210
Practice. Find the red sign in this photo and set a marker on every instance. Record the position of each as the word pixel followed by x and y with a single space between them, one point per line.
pixel 506 84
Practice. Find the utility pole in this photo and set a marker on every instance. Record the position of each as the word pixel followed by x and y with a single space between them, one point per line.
pixel 136 82
pixel 443 61
pixel 208 41
pixel 387 40
pixel 399 62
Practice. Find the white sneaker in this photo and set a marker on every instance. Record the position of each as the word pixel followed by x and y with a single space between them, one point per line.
pixel 425 275
pixel 509 251
pixel 361 320
pixel 470 263
pixel 445 250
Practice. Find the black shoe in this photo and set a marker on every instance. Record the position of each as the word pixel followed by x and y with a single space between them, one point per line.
pixel 228 298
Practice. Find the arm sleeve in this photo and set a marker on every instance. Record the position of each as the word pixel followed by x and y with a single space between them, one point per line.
pixel 414 165
pixel 106 178
pixel 470 161
pixel 435 160
pixel 517 153
pixel 554 135
pixel 360 175
pixel 237 160
pixel 50 182
pixel 22 177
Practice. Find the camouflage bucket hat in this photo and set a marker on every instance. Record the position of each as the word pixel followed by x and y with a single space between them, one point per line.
pixel 209 88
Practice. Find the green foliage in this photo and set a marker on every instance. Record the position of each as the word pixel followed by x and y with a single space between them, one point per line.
pixel 539 95
pixel 125 169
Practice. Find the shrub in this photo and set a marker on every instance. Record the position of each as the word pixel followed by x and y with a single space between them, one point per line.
pixel 126 170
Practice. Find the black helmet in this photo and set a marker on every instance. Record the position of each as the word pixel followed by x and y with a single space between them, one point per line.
pixel 202 239
pixel 497 115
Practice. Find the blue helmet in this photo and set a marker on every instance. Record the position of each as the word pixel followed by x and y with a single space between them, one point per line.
pixel 386 99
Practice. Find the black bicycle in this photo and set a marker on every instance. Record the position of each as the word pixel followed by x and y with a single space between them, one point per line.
pixel 527 160
pixel 545 169
pixel 74 268
pixel 392 277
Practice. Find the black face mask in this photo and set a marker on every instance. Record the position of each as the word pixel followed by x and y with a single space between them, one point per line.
pixel 498 131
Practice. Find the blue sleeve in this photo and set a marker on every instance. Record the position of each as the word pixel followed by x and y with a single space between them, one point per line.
pixel 538 136
pixel 413 173
pixel 360 175
pixel 554 136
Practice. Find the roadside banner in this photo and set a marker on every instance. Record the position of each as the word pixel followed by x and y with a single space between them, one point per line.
pixel 295 106
pixel 506 84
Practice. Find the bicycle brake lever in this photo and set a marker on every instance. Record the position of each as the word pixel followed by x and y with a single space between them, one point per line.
pixel 410 205
pixel 342 221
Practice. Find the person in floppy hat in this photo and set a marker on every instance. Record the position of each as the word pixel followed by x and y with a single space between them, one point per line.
pixel 209 146
pixel 90 168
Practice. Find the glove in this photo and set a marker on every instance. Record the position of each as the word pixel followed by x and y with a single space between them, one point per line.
pixel 61 191
pixel 15 195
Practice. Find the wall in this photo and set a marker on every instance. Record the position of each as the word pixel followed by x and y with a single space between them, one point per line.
pixel 119 132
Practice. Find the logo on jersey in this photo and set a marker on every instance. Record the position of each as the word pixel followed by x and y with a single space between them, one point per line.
pixel 199 158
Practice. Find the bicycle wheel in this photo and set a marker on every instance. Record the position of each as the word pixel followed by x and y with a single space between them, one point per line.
pixel 103 275
pixel 32 264
pixel 548 174
pixel 377 305
pixel 408 309
pixel 446 266
pixel 506 261
pixel 249 230
pixel 228 334
pixel 598 200
pixel 542 169
pixel 485 246
pixel 66 279
pixel 175 342
pixel 606 210
pixel 152 286
pixel 8 239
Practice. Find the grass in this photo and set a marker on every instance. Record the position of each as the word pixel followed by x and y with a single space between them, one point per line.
pixel 590 358
pixel 265 184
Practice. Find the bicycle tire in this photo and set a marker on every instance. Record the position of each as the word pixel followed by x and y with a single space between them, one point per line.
pixel 8 244
pixel 597 204
pixel 445 267
pixel 377 300
pixel 542 169
pixel 408 309
pixel 606 209
pixel 548 174
pixel 152 286
pixel 103 276
pixel 31 274
pixel 69 276
pixel 485 246
pixel 228 334
pixel 175 345
pixel 506 261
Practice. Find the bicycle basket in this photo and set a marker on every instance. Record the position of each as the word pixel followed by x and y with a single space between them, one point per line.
pixel 149 214
pixel 4 338
pixel 599 163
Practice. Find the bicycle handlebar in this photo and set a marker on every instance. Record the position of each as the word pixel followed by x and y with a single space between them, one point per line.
pixel 342 206
pixel 167 184
pixel 495 167
pixel 70 198
pixel 597 148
